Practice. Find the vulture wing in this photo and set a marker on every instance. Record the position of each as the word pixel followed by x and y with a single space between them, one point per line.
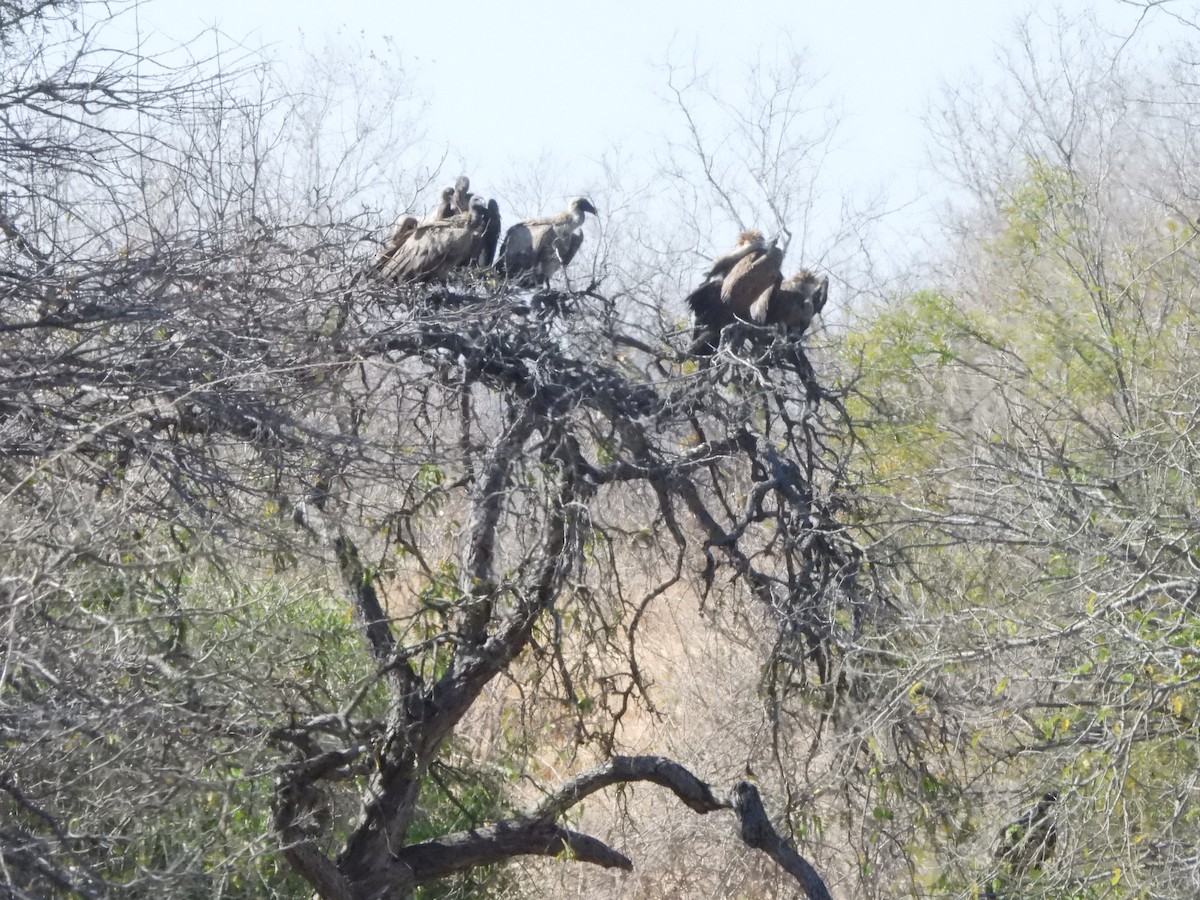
pixel 568 248
pixel 528 247
pixel 710 316
pixel 403 229
pixel 516 253
pixel 432 251
pixel 723 264
pixel 746 281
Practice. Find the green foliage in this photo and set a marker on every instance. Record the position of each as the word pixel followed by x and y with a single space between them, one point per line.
pixel 456 799
pixel 175 767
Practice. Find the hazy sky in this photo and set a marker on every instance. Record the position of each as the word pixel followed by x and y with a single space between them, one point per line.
pixel 509 82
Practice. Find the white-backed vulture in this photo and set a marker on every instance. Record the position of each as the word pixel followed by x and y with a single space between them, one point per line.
pixel 401 232
pixel 435 248
pixel 535 249
pixel 751 281
pixel 734 283
pixel 462 193
pixel 446 208
pixel 491 236
pixel 794 303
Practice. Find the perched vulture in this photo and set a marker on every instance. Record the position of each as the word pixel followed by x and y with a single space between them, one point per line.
pixel 491 236
pixel 1030 839
pixel 732 286
pixel 747 289
pixel 794 303
pixel 403 229
pixel 462 193
pixel 535 249
pixel 446 208
pixel 435 248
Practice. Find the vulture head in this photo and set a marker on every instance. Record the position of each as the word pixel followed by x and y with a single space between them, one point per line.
pixel 581 205
pixel 404 228
pixel 748 242
pixel 462 185
pixel 479 212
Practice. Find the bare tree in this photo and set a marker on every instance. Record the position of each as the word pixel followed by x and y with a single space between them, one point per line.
pixel 202 426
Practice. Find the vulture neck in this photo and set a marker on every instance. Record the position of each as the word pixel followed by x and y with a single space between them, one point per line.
pixel 573 218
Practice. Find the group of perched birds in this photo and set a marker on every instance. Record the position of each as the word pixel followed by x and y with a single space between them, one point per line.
pixel 745 285
pixel 463 233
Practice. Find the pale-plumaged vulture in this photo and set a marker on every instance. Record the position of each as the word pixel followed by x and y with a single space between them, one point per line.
pixel 403 229
pixel 435 248
pixel 535 249
pixel 462 193
pixel 446 208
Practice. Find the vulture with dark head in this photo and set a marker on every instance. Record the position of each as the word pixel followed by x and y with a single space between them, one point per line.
pixel 535 249
pixel 435 248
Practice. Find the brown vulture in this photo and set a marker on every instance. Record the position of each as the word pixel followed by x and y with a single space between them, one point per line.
pixel 462 193
pixel 794 303
pixel 535 249
pixel 401 232
pixel 437 247
pixel 734 283
pixel 446 208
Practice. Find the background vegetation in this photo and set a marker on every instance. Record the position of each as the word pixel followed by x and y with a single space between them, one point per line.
pixel 316 584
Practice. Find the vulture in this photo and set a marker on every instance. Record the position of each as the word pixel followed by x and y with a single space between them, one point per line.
pixel 401 232
pixel 446 208
pixel 436 247
pixel 462 193
pixel 491 236
pixel 1029 840
pixel 794 303
pixel 535 249
pixel 733 285
pixel 748 242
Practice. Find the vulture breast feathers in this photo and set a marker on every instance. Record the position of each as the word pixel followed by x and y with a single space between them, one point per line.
pixel 535 249
pixel 435 248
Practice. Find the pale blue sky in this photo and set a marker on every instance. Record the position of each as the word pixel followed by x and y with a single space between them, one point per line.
pixel 510 82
